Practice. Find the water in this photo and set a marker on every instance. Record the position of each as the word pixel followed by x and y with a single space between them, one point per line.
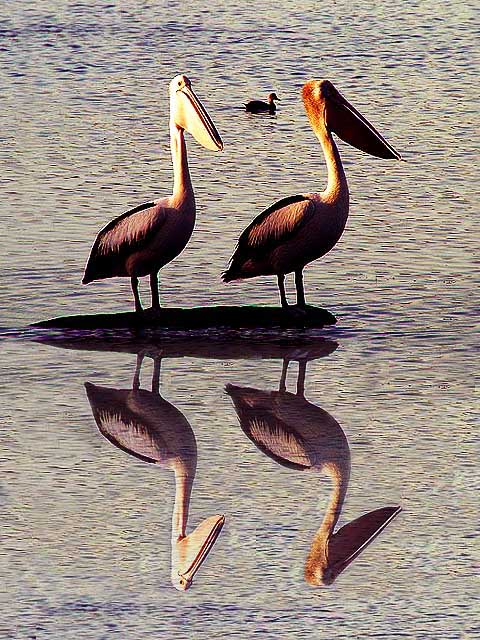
pixel 86 528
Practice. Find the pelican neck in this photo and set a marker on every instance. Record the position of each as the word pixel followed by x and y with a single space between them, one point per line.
pixel 337 186
pixel 182 184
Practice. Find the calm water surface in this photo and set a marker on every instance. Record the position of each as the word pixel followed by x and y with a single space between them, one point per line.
pixel 85 549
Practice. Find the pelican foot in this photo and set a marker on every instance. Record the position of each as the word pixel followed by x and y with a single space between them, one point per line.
pixel 153 312
pixel 296 311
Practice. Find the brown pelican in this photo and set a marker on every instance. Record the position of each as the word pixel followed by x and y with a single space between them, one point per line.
pixel 298 229
pixel 146 426
pixel 259 106
pixel 143 240
pixel 299 435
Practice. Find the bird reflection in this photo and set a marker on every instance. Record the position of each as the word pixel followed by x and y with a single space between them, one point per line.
pixel 146 426
pixel 299 435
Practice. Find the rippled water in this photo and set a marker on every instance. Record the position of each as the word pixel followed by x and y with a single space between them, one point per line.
pixel 86 528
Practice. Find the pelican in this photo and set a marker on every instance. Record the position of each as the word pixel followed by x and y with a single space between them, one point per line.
pixel 299 435
pixel 259 106
pixel 298 229
pixel 146 426
pixel 143 240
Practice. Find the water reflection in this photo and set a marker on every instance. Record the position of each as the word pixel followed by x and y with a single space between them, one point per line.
pixel 301 436
pixel 285 426
pixel 145 425
pixel 224 345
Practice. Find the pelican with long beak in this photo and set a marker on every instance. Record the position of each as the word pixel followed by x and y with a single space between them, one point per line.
pixel 304 437
pixel 298 229
pixel 144 425
pixel 143 240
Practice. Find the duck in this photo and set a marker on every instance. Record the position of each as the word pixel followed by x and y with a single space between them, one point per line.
pixel 259 106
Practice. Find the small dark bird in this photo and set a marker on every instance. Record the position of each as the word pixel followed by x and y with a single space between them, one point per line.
pixel 258 106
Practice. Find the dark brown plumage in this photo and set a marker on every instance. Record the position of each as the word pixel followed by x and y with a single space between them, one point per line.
pixel 275 225
pixel 259 106
pixel 107 256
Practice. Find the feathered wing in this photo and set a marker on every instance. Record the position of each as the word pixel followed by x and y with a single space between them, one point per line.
pixel 123 427
pixel 270 229
pixel 260 421
pixel 255 105
pixel 121 238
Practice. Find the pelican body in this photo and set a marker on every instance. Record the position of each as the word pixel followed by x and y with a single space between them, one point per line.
pixel 299 229
pixel 259 106
pixel 144 425
pixel 143 240
pixel 301 436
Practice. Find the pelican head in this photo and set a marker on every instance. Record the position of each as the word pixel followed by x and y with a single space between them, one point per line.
pixel 327 108
pixel 189 552
pixel 188 113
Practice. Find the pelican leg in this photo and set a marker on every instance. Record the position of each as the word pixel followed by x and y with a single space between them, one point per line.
pixel 157 362
pixel 136 295
pixel 282 386
pixel 300 290
pixel 281 288
pixel 302 370
pixel 138 368
pixel 154 289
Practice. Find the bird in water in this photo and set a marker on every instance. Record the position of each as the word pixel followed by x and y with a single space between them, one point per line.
pixel 143 240
pixel 299 229
pixel 144 425
pixel 259 106
pixel 301 436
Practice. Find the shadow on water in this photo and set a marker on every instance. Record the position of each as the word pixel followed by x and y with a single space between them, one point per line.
pixel 303 437
pixel 222 346
pixel 148 427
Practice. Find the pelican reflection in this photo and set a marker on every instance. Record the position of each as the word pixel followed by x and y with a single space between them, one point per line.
pixel 299 435
pixel 143 424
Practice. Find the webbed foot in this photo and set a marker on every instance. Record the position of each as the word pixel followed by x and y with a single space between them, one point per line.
pixel 296 311
pixel 152 312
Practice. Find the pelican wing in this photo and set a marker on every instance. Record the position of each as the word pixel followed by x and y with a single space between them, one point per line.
pixel 124 427
pixel 276 224
pixel 258 413
pixel 270 229
pixel 277 441
pixel 121 238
